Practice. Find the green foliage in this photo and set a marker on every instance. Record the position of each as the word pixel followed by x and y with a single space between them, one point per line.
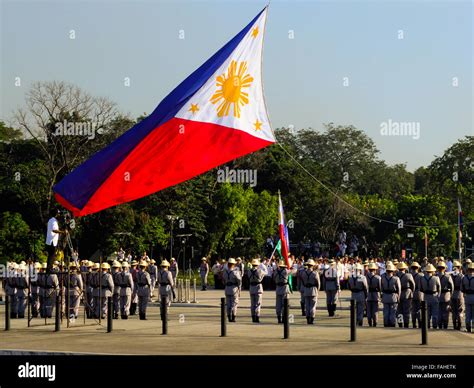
pixel 235 219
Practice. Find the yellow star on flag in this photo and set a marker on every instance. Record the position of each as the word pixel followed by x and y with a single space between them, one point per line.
pixel 194 108
pixel 258 125
pixel 255 32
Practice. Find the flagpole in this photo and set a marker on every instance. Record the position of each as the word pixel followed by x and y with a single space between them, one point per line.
pixel 459 231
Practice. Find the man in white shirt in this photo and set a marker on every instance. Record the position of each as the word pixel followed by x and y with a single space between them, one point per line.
pixel 52 237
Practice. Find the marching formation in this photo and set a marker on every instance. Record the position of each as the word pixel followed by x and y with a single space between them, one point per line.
pixel 129 285
pixel 399 287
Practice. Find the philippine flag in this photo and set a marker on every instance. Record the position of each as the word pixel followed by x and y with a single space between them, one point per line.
pixel 215 115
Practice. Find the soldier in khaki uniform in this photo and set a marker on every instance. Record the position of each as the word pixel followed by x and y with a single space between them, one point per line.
pixel 256 275
pixel 374 289
pixel 467 287
pixel 391 290
pixel 74 284
pixel 134 273
pixel 407 284
pixel 457 298
pixel 301 287
pixel 282 290
pixel 430 288
pixel 447 287
pixel 311 284
pixel 417 297
pixel 10 289
pixel 126 287
pixel 143 291
pixel 51 291
pixel 153 271
pixel 174 271
pixel 232 279
pixel 332 287
pixel 22 289
pixel 359 289
pixel 34 296
pixel 165 280
pixel 116 271
pixel 95 286
pixel 106 289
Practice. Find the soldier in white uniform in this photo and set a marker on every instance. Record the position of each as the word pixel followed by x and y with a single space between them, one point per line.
pixel 203 273
pixel 75 285
pixel 359 289
pixel 143 292
pixel 232 279
pixel 106 289
pixel 282 290
pixel 417 297
pixel 126 287
pixel 391 290
pixel 256 275
pixel 374 289
pixel 174 272
pixel 153 271
pixel 457 298
pixel 332 287
pixel 447 288
pixel 467 287
pixel 408 286
pixel 165 280
pixel 311 284
pixel 430 288
pixel 116 271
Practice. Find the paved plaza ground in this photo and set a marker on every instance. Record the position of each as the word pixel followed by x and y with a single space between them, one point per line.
pixel 194 329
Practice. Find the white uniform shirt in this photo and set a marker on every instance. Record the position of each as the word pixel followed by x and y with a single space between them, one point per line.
pixel 51 237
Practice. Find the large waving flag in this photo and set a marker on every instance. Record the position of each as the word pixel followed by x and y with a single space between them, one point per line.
pixel 215 115
pixel 284 242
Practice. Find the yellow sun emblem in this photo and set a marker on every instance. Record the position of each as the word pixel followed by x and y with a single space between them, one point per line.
pixel 230 92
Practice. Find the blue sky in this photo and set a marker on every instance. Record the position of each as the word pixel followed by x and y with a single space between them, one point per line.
pixel 403 80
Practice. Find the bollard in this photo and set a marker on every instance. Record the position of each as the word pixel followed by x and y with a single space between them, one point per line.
pixel 29 308
pixel 286 320
pixel 353 321
pixel 223 321
pixel 109 314
pixel 57 315
pixel 179 291
pixel 164 316
pixel 424 324
pixel 7 312
pixel 188 290
pixel 194 291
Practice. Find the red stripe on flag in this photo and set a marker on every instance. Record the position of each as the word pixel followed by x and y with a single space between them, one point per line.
pixel 172 153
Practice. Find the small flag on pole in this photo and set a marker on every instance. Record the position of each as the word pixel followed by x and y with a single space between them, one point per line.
pixel 284 241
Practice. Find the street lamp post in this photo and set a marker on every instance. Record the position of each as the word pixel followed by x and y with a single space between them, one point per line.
pixel 172 220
